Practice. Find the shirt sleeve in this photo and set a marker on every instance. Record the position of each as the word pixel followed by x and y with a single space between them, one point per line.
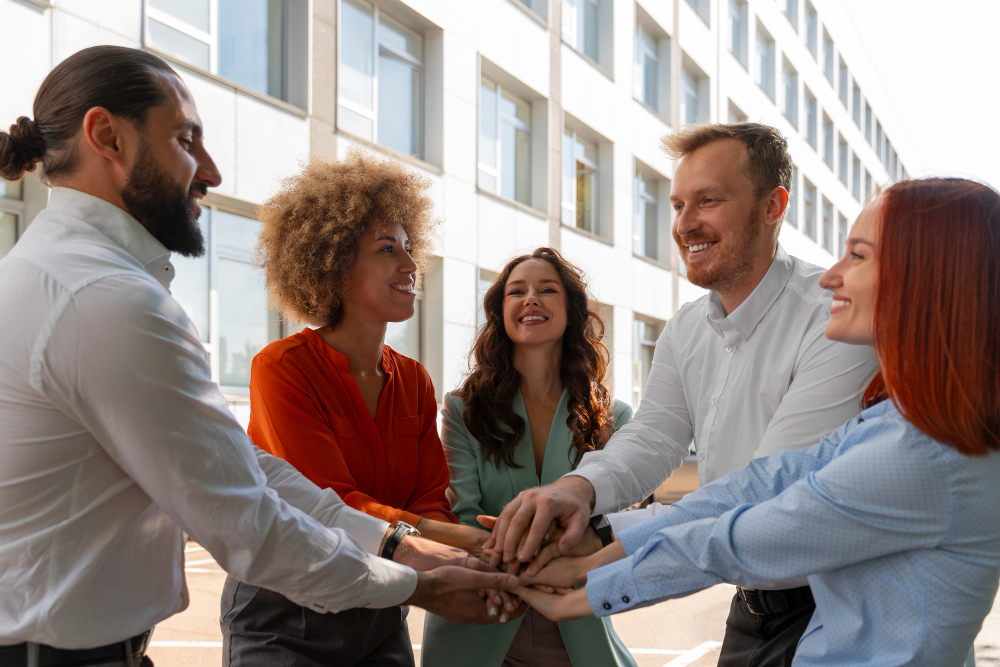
pixel 462 463
pixel 884 492
pixel 825 391
pixel 287 422
pixel 761 480
pixel 324 505
pixel 124 360
pixel 647 450
pixel 430 497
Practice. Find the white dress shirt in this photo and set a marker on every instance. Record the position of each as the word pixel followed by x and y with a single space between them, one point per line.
pixel 763 379
pixel 115 440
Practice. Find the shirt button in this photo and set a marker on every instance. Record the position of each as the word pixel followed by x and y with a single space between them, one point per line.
pixel 625 599
pixel 607 605
pixel 729 348
pixel 715 401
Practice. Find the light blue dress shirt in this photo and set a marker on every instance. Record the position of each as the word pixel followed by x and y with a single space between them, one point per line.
pixel 899 536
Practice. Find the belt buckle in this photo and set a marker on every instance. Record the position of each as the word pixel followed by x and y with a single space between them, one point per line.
pixel 751 598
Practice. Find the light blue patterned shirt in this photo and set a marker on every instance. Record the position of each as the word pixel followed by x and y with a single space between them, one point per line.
pixel 898 534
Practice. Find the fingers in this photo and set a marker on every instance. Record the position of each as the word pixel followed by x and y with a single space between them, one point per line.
pixel 473 563
pixel 486 521
pixel 500 529
pixel 544 516
pixel 575 527
pixel 548 552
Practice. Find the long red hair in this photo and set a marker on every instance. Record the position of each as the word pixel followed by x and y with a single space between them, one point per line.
pixel 937 312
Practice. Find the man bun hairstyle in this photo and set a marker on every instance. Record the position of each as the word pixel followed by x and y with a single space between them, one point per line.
pixel 126 82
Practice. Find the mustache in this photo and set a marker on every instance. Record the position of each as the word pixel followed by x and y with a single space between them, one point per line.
pixel 199 188
pixel 694 240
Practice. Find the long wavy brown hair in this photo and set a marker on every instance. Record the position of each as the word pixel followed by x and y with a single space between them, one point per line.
pixel 490 389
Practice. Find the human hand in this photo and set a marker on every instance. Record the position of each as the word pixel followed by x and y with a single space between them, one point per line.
pixel 556 607
pixel 568 571
pixel 568 502
pixel 451 592
pixel 455 534
pixel 422 554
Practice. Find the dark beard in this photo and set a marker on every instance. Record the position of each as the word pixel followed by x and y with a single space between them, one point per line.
pixel 163 207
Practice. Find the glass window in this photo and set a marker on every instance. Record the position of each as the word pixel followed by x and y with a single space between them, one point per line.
pixel 792 212
pixel 580 26
pixel 792 13
pixel 842 163
pixel 701 6
pixel 855 176
pixel 8 232
pixel 812 115
pixel 404 337
pixel 738 32
pixel 868 185
pixel 647 67
pixel 735 114
pixel 812 28
pixel 828 57
pixel 691 94
pixel 879 139
pixel 645 334
pixel 827 226
pixel 580 182
pixel 843 82
pixel 259 44
pixel 190 285
pixel 647 235
pixel 765 62
pixel 790 81
pixel 10 194
pixel 828 141
pixel 381 79
pixel 483 285
pixel 842 236
pixel 856 105
pixel 809 209
pixel 504 142
pixel 868 123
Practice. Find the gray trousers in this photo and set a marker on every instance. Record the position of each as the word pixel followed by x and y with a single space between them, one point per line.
pixel 261 628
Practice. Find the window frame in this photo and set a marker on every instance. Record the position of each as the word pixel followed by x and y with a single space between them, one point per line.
pixel 790 110
pixel 810 194
pixel 739 47
pixel 643 51
pixel 766 51
pixel 828 221
pixel 210 39
pixel 15 207
pixel 812 31
pixel 829 52
pixel 659 199
pixel 791 12
pixel 640 341
pixel 574 136
pixel 517 124
pixel 812 118
pixel 407 59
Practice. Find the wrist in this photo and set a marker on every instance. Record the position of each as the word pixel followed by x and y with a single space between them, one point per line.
pixel 581 487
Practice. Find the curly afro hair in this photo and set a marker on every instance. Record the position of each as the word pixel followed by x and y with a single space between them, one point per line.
pixel 310 229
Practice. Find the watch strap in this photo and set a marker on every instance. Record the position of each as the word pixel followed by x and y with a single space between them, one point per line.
pixel 602 527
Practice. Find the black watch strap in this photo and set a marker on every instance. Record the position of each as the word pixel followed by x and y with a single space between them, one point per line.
pixel 602 527
pixel 401 530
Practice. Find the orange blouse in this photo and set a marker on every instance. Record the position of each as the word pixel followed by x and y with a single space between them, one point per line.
pixel 305 407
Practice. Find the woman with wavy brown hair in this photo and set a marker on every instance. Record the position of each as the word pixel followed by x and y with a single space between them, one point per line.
pixel 533 404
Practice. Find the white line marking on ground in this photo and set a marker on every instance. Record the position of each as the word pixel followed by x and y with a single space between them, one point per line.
pixel 203 569
pixel 656 651
pixel 199 562
pixel 191 550
pixel 685 659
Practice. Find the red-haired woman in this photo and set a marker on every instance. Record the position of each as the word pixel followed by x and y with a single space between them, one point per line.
pixel 533 404
pixel 894 516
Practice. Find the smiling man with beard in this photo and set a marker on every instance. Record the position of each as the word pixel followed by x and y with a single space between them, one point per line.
pixel 115 442
pixel 741 372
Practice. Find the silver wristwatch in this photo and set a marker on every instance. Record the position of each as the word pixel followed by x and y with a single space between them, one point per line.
pixel 401 530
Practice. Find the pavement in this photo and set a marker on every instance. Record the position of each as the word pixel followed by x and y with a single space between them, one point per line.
pixel 677 633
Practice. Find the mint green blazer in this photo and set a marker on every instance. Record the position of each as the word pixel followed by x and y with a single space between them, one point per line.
pixel 479 488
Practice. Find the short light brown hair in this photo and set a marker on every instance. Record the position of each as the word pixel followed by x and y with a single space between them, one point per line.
pixel 768 162
pixel 310 231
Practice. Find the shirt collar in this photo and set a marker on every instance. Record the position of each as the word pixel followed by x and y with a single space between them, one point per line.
pixel 117 225
pixel 749 313
pixel 340 359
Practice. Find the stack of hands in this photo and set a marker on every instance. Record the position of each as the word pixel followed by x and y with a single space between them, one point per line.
pixel 538 553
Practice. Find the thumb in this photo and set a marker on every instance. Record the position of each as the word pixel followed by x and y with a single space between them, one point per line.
pixel 574 533
pixel 470 579
pixel 486 521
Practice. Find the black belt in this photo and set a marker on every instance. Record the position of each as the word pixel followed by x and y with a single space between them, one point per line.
pixel 775 602
pixel 49 656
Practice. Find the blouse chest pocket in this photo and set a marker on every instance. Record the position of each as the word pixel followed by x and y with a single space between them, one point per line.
pixel 406 434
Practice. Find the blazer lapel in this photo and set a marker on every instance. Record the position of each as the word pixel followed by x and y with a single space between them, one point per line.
pixel 523 477
pixel 557 462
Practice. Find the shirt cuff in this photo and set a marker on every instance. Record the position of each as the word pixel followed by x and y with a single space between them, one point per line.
pixel 620 521
pixel 604 488
pixel 389 584
pixel 612 589
pixel 366 530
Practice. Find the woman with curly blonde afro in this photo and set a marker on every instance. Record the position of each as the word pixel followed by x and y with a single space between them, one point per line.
pixel 341 247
